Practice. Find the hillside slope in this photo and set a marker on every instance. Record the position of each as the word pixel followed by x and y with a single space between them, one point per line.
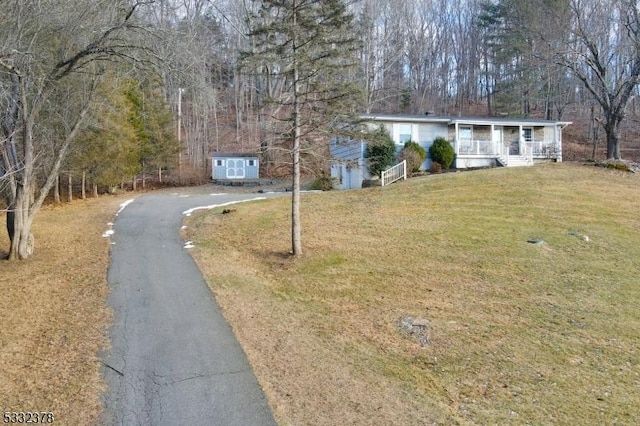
pixel 424 302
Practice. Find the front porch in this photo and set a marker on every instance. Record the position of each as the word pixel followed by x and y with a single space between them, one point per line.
pixel 479 144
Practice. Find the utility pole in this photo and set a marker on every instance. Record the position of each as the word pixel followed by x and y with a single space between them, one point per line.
pixel 180 134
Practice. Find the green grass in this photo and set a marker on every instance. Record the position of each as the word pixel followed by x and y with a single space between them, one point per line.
pixel 520 333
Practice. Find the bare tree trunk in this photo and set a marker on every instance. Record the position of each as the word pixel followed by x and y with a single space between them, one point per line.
pixel 594 133
pixel 69 187
pixel 56 190
pixel 296 232
pixel 612 131
pixel 19 227
pixel 95 190
pixel 84 185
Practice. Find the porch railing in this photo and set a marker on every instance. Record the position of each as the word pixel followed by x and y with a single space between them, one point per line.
pixel 488 148
pixel 476 147
pixel 395 173
pixel 542 149
pixel 528 153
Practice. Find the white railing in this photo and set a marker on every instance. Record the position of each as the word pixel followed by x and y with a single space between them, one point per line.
pixel 476 147
pixel 503 154
pixel 397 172
pixel 543 149
pixel 528 153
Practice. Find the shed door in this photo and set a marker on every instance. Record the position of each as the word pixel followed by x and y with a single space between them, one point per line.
pixel 235 169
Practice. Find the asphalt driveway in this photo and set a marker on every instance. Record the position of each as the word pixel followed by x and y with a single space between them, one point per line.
pixel 174 359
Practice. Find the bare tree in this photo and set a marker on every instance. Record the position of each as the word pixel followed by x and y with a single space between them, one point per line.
pixel 603 52
pixel 48 47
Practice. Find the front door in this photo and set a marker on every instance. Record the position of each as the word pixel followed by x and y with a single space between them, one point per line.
pixel 235 169
pixel 497 141
pixel 514 147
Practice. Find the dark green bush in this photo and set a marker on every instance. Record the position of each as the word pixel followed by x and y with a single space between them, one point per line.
pixel 442 152
pixel 414 154
pixel 381 151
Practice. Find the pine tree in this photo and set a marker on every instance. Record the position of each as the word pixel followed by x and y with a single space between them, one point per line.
pixel 309 45
pixel 151 120
pixel 106 151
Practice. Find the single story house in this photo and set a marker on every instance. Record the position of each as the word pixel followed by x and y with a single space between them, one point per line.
pixel 478 142
pixel 234 166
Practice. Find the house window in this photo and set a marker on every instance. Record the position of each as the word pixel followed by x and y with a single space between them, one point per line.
pixel 527 134
pixel 466 140
pixel 465 133
pixel 404 133
pixel 219 163
pixel 252 163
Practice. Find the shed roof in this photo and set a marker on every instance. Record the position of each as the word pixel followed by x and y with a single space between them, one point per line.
pixel 234 154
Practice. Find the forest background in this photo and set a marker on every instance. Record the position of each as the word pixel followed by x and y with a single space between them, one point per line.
pixel 107 93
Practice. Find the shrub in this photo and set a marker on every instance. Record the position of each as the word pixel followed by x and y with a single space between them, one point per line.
pixel 616 165
pixel 436 167
pixel 322 183
pixel 442 152
pixel 381 151
pixel 414 154
pixel 413 160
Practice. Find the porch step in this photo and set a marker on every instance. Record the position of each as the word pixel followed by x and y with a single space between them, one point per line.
pixel 514 161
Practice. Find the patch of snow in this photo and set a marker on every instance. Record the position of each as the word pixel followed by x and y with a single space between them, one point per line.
pixel 213 206
pixel 184 196
pixel 123 205
pixel 108 232
pixel 188 245
pixel 183 227
pixel 218 193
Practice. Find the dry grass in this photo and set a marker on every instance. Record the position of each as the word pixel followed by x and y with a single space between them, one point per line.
pixel 54 315
pixel 519 333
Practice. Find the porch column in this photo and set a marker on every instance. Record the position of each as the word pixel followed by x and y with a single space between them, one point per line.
pixel 457 139
pixel 559 144
pixel 520 140
pixel 492 137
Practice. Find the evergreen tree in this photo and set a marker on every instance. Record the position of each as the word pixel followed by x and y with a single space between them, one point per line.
pixel 106 151
pixel 381 151
pixel 151 120
pixel 309 45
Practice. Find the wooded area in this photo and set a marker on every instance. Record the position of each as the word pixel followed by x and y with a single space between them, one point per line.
pixel 109 92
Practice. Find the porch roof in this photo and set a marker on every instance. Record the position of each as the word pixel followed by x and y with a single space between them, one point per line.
pixel 507 121
pixel 502 121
